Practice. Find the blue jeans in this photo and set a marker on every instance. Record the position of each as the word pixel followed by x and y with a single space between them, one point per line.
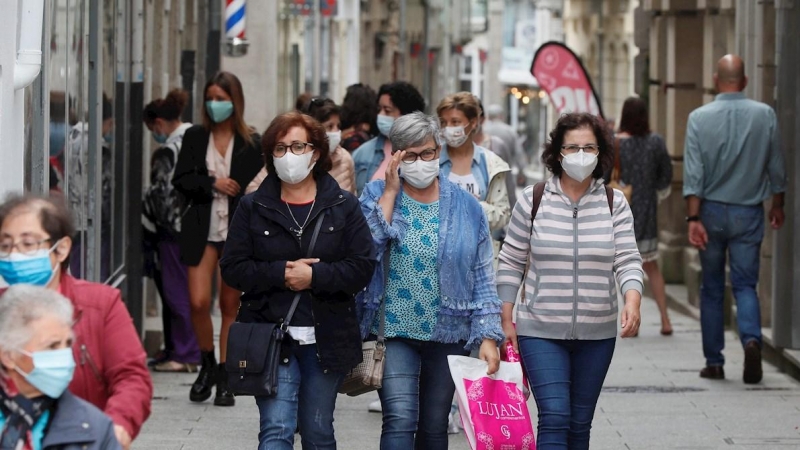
pixel 306 394
pixel 737 231
pixel 565 377
pixel 416 394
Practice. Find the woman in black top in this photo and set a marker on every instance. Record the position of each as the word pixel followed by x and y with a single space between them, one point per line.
pixel 646 165
pixel 266 258
pixel 218 160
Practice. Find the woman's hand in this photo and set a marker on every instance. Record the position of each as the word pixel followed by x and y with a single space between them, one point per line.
pixel 490 354
pixel 123 437
pixel 227 186
pixel 631 319
pixel 507 314
pixel 298 273
pixel 392 176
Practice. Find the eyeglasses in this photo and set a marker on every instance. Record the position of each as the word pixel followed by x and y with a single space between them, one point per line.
pixel 425 155
pixel 298 148
pixel 588 148
pixel 27 246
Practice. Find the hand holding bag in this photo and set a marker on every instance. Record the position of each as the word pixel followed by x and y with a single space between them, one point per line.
pixel 368 376
pixel 254 349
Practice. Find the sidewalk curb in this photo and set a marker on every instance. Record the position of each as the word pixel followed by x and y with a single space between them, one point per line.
pixel 786 360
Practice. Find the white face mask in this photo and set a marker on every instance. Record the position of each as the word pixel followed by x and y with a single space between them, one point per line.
pixel 420 174
pixel 579 165
pixel 334 138
pixel 455 136
pixel 293 168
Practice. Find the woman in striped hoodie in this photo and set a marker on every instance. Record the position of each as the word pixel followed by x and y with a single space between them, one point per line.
pixel 572 253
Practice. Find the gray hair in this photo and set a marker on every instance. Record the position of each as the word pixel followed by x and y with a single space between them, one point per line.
pixel 23 304
pixel 414 129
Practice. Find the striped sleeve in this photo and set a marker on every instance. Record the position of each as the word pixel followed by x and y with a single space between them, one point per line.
pixel 627 260
pixel 513 256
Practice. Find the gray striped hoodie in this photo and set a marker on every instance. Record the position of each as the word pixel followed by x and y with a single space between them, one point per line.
pixel 575 251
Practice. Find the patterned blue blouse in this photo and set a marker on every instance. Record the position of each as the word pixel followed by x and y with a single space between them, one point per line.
pixel 412 293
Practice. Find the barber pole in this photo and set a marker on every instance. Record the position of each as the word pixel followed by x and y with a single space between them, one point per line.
pixel 235 14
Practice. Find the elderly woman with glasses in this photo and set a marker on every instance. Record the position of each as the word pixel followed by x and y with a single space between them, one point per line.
pixel 266 257
pixel 36 366
pixel 438 291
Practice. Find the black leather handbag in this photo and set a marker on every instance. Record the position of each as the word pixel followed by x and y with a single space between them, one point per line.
pixel 254 349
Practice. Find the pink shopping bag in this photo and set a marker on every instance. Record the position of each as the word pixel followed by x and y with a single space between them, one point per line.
pixel 493 410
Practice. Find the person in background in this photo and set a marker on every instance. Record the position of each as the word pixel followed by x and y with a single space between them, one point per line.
pixel 162 209
pixel 477 170
pixel 645 165
pixel 371 159
pixel 358 116
pixel 36 365
pixel 732 164
pixel 499 148
pixel 495 125
pixel 570 256
pixel 325 111
pixel 266 257
pixel 440 297
pixel 302 100
pixel 217 162
pixel 35 243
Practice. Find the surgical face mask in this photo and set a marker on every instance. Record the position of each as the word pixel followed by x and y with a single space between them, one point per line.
pixel 109 137
pixel 420 174
pixel 34 269
pixel 579 165
pixel 385 124
pixel 161 138
pixel 52 371
pixel 219 111
pixel 293 168
pixel 455 136
pixel 334 138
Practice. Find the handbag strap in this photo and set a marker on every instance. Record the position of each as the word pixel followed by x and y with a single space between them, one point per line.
pixel 309 253
pixel 382 323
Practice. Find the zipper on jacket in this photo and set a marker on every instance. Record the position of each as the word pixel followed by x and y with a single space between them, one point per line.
pixel 575 268
pixel 86 357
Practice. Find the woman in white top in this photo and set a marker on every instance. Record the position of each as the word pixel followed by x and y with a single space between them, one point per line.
pixel 218 160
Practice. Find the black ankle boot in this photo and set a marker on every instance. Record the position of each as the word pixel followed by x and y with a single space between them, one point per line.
pixel 201 389
pixel 224 396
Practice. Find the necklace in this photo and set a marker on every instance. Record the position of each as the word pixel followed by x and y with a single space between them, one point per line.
pixel 299 230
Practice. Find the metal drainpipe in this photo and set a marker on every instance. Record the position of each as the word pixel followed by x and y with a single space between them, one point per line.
pixel 29 55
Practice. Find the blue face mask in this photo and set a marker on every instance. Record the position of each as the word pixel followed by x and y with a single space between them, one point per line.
pixel 52 371
pixel 33 269
pixel 219 111
pixel 109 137
pixel 58 137
pixel 160 138
pixel 385 124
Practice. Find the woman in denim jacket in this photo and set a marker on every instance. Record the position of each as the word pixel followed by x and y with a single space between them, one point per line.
pixel 440 290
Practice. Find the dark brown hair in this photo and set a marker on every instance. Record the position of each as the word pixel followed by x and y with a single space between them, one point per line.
pixel 169 108
pixel 634 118
pixel 551 157
pixel 359 107
pixel 321 109
pixel 54 216
pixel 281 125
pixel 229 83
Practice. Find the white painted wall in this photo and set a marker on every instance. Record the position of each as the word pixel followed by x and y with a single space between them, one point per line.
pixel 12 167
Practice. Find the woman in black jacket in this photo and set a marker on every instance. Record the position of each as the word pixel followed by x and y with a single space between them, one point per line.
pixel 217 161
pixel 266 258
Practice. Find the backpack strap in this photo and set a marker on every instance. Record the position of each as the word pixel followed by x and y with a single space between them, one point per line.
pixel 610 196
pixel 538 192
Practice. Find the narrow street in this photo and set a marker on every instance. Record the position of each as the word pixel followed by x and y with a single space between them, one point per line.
pixel 653 399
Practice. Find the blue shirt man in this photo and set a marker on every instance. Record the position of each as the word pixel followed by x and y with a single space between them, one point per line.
pixel 732 163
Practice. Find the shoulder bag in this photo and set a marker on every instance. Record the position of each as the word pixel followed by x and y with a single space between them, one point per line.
pixel 254 349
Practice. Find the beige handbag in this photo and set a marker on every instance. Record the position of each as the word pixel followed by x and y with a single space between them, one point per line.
pixel 617 173
pixel 368 375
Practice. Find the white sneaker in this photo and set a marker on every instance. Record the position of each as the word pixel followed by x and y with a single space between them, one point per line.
pixel 375 406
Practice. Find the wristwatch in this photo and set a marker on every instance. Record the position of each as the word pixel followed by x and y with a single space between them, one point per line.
pixel 692 218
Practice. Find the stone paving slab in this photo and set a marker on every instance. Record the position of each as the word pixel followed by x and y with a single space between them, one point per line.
pixel 653 399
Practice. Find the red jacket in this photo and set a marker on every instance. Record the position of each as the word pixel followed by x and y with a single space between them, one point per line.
pixel 111 371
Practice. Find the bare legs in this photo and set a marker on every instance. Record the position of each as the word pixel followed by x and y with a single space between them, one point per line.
pixel 659 292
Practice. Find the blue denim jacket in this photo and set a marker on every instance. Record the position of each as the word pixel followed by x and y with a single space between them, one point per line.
pixel 367 159
pixel 470 307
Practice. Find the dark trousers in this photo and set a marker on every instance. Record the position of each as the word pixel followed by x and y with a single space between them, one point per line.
pixel 175 295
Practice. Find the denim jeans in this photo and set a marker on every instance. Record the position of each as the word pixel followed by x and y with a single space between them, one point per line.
pixel 306 394
pixel 565 377
pixel 737 231
pixel 416 394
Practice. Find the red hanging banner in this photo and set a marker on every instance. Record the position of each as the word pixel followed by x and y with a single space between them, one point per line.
pixel 562 75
